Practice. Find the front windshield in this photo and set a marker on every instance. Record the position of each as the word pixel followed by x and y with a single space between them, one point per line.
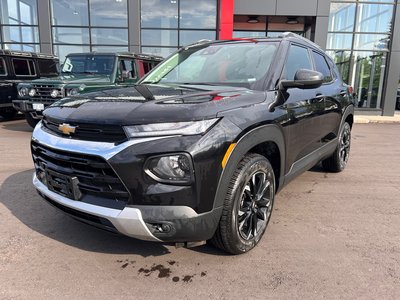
pixel 89 64
pixel 238 64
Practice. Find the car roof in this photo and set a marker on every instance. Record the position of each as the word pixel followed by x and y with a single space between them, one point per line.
pixel 289 36
pixel 124 54
pixel 27 54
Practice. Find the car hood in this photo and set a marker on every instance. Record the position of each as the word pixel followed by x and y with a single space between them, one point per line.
pixel 126 106
pixel 75 79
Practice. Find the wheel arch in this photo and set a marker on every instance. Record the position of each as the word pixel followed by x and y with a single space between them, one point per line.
pixel 348 116
pixel 266 140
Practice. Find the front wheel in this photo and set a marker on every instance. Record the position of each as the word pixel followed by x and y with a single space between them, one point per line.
pixel 247 207
pixel 338 160
pixel 31 120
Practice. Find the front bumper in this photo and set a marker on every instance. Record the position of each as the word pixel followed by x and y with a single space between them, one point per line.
pixel 128 221
pixel 136 219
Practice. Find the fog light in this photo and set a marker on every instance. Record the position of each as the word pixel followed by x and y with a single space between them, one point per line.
pixel 54 94
pixel 175 168
pixel 32 92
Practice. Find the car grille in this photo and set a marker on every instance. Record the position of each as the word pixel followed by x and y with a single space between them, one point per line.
pixel 89 132
pixel 77 176
pixel 43 93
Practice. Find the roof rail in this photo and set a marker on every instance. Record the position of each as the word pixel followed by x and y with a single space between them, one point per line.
pixel 199 42
pixel 294 35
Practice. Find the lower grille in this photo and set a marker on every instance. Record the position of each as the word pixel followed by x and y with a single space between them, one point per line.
pixel 82 216
pixel 89 132
pixel 87 178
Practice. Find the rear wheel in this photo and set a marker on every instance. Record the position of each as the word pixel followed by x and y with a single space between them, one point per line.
pixel 338 160
pixel 247 206
pixel 30 120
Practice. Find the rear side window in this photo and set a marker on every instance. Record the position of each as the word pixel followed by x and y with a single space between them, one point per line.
pixel 298 58
pixel 322 66
pixel 23 67
pixel 147 66
pixel 48 67
pixel 3 69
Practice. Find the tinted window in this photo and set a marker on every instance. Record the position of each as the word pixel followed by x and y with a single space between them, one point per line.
pixel 3 70
pixel 322 66
pixel 147 67
pixel 23 67
pixel 48 67
pixel 297 59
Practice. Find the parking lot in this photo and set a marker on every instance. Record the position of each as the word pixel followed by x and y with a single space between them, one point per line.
pixel 331 235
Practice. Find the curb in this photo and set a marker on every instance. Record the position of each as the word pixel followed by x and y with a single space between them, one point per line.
pixel 376 120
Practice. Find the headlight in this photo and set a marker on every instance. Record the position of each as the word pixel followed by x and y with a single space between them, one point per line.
pixel 175 169
pixel 75 91
pixel 72 92
pixel 164 129
pixel 32 92
pixel 54 94
pixel 23 92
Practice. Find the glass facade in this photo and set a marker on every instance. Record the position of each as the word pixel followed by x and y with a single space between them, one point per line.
pixel 19 25
pixel 358 36
pixel 359 33
pixel 89 25
pixel 266 26
pixel 168 25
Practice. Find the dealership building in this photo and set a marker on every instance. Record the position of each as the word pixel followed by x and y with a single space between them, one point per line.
pixel 363 36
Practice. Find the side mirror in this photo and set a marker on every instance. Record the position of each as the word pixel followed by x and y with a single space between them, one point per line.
pixel 303 79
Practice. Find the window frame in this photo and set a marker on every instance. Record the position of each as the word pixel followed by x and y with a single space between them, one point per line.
pixel 29 66
pixel 283 74
pixel 2 60
pixel 327 63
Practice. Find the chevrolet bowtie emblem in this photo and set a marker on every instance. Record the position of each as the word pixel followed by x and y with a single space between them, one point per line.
pixel 66 128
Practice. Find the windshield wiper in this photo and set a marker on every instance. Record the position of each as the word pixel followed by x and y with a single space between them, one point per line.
pixel 144 91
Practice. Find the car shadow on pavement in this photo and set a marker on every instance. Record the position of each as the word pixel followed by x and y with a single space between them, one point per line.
pixel 20 197
pixel 16 125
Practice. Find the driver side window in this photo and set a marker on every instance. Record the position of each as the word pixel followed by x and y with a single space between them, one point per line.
pixel 128 66
pixel 298 58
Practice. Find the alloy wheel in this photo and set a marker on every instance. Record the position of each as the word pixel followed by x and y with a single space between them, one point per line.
pixel 255 205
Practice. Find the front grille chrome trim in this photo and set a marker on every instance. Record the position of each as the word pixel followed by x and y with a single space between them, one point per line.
pixel 103 149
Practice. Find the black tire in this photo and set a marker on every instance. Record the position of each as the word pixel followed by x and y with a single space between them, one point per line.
pixel 30 120
pixel 238 236
pixel 338 160
pixel 8 114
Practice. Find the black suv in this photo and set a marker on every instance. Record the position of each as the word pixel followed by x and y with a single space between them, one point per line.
pixel 17 67
pixel 197 150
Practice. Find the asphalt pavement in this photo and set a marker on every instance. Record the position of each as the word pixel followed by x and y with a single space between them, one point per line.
pixel 331 236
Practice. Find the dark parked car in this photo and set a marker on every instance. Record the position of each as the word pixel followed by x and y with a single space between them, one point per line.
pixel 197 150
pixel 398 99
pixel 82 73
pixel 17 67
